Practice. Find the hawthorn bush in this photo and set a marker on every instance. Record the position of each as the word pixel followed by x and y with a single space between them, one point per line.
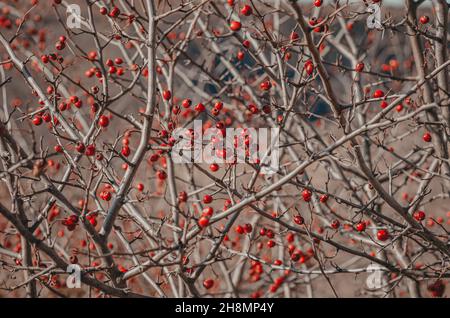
pixel 358 206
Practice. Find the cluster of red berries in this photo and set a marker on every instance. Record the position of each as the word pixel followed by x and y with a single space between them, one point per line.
pixel 277 284
pixel 246 229
pixel 71 222
pixel 255 271
pixel 114 13
pixel 61 44
pixel 92 218
pixel 113 69
pixel 206 215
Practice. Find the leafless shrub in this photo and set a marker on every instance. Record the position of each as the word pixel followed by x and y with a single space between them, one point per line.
pixel 86 129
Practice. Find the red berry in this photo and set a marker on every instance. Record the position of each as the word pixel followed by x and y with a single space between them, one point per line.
pixel 167 95
pixel 161 174
pixel 419 215
pixel 382 235
pixel 218 106
pixel 78 104
pixel 103 121
pixel 207 211
pixel 378 93
pixel 112 70
pixel 254 110
pixel 90 150
pixel 427 137
pixel 317 3
pixel 235 25
pixel 207 198
pixel 359 67
pixel 114 12
pixel 105 195
pixel 361 226
pixel 60 46
pixel 248 228
pixel 295 256
pixel 424 19
pixel 267 109
pixel 200 107
pixel 37 120
pixel 203 221
pixel 306 194
pixel 335 224
pixel 186 103
pixel 208 283
pixel 182 196
pixel 154 157
pixel 74 99
pixel 246 10
pixel 299 220
pixel 265 86
pixel 309 67
pixel 80 147
pixel 126 151
pixel 92 55
pixel 214 167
